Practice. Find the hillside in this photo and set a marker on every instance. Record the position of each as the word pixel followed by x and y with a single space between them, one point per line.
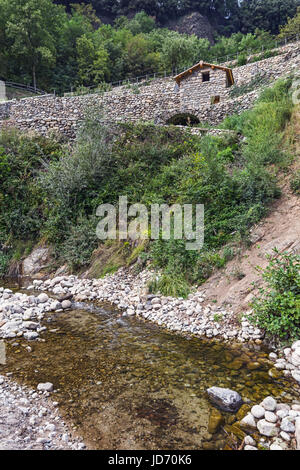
pixel 150 227
pixel 72 49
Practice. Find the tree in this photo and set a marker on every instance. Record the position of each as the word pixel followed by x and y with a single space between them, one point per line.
pixel 180 51
pixel 32 27
pixel 93 60
pixel 292 27
pixel 268 15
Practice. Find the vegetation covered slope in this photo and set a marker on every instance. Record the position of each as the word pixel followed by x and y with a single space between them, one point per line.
pixel 51 192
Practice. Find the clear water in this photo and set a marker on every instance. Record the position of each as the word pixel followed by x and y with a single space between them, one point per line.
pixel 128 384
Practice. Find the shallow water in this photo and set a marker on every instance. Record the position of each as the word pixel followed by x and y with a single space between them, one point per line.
pixel 128 384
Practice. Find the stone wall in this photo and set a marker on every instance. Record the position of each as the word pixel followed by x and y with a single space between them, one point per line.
pixel 153 101
pixel 5 110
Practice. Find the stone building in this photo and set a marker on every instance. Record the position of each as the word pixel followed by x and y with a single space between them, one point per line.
pixel 2 91
pixel 203 85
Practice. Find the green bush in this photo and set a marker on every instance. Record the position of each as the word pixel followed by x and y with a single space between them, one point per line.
pixel 4 264
pixel 242 60
pixel 277 308
pixel 21 157
pixel 295 183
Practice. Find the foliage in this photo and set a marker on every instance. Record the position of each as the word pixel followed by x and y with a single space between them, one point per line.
pixel 41 42
pixel 277 308
pixel 292 28
pixel 21 214
pixel 295 183
pixel 59 188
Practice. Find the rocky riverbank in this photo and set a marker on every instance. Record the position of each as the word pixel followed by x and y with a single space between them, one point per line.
pixel 21 314
pixel 269 424
pixel 30 421
pixel 129 293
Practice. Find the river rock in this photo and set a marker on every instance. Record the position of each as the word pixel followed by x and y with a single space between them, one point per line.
pixel 286 425
pixel 296 375
pixel 248 447
pixel 297 432
pixel 248 421
pixel 225 399
pixel 296 345
pixel 215 421
pixel 30 325
pixel 42 298
pixel 270 417
pixel 267 429
pixel 66 304
pixel 258 411
pixel 275 447
pixel 30 335
pixel 285 436
pixel 45 387
pixel 250 441
pixel 269 404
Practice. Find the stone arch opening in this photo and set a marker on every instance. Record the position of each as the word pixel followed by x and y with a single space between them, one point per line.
pixel 183 119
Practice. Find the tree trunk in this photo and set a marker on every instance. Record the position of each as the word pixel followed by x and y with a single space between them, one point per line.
pixel 34 77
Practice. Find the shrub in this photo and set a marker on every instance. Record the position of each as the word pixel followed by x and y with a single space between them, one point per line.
pixel 277 308
pixel 170 285
pixel 242 60
pixel 4 264
pixel 81 241
pixel 295 183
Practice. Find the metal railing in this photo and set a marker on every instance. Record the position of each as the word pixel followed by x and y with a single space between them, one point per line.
pixel 22 87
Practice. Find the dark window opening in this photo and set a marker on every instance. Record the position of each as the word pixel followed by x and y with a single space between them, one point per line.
pixel 183 119
pixel 215 99
pixel 206 77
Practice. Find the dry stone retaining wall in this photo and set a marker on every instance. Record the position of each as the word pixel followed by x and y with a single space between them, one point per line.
pixel 154 101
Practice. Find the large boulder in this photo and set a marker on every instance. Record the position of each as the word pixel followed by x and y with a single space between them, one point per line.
pixel 225 399
pixel 39 259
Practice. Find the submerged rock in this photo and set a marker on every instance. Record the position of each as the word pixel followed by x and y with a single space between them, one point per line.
pixel 225 399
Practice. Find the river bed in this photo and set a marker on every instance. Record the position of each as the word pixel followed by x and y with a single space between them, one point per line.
pixel 129 384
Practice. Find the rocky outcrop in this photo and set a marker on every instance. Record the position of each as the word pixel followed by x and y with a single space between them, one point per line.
pixel 193 23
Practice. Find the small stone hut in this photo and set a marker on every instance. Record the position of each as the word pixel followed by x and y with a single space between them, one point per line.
pixel 203 83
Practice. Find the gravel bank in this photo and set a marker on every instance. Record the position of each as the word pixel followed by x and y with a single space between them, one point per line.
pixel 129 293
pixel 30 421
